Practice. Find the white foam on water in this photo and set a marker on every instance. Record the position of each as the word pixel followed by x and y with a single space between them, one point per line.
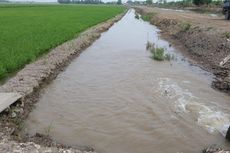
pixel 209 117
pixel 213 15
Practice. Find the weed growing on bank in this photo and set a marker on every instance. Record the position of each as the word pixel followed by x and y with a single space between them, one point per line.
pixel 48 129
pixel 185 26
pixel 147 17
pixel 227 35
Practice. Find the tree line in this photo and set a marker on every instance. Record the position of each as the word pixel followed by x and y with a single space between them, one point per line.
pixel 80 1
pixel 119 2
pixel 187 2
pixel 1 1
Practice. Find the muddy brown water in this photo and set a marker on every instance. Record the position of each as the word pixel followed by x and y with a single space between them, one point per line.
pixel 116 99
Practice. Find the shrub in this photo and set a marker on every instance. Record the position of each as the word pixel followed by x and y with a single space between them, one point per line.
pixel 158 53
pixel 185 26
pixel 201 2
pixel 227 34
pixel 148 16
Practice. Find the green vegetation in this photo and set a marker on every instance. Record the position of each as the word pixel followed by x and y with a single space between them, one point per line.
pixel 148 16
pixel 201 2
pixel 149 2
pixel 80 1
pixel 27 31
pixel 48 129
pixel 227 35
pixel 119 2
pixel 158 53
pixel 4 1
pixel 185 26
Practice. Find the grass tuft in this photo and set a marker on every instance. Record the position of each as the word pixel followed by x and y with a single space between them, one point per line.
pixel 149 45
pixel 148 16
pixel 227 35
pixel 158 54
pixel 185 26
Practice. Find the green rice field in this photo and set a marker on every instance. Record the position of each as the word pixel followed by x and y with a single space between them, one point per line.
pixel 27 31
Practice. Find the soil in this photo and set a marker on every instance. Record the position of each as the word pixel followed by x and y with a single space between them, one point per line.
pixel 217 10
pixel 205 39
pixel 28 83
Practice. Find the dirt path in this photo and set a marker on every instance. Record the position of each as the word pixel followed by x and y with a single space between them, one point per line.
pixel 202 20
pixel 204 37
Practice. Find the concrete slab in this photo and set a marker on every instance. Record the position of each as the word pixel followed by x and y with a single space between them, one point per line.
pixel 6 99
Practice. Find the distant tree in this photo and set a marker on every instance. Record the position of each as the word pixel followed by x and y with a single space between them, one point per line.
pixel 64 1
pixel 207 1
pixel 149 2
pixel 119 2
pixel 80 1
pixel 129 2
pixel 4 1
pixel 201 2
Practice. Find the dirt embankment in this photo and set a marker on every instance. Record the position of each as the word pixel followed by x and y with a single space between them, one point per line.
pixel 206 39
pixel 199 9
pixel 28 83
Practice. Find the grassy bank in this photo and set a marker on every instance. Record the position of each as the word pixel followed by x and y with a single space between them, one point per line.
pixel 27 31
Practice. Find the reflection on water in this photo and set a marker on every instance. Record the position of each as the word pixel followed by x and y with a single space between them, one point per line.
pixel 115 98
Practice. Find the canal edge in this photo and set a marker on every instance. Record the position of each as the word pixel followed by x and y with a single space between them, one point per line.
pixel 32 78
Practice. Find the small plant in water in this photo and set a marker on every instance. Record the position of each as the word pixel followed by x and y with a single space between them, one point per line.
pixel 158 53
pixel 149 45
pixel 48 129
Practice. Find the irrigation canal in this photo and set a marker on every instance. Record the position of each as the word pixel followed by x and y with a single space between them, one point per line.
pixel 116 99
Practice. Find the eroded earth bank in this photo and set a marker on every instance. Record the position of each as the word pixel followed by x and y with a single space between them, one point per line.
pixel 205 38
